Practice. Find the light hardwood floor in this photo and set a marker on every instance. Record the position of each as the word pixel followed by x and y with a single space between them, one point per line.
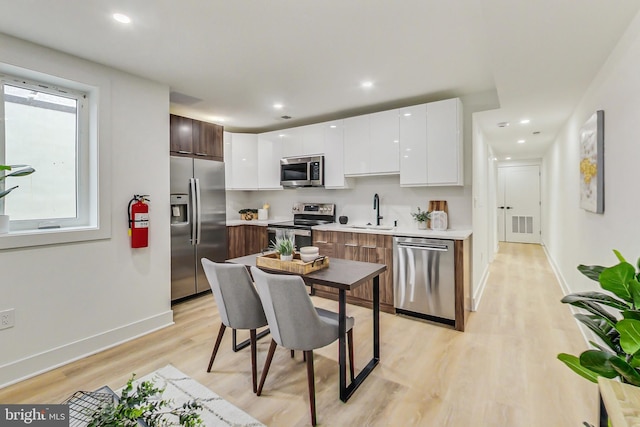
pixel 502 371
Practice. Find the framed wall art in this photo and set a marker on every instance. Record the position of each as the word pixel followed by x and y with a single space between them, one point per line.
pixel 592 163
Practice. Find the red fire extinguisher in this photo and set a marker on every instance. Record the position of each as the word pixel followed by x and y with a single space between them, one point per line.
pixel 139 221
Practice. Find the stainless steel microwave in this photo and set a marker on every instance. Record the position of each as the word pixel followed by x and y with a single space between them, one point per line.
pixel 302 172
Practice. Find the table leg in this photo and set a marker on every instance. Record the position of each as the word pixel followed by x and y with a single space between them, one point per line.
pixel 347 391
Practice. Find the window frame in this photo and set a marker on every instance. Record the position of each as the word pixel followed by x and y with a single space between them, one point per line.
pixel 97 156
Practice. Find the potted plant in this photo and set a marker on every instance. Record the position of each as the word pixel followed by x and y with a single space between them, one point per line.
pixel 421 217
pixel 284 246
pixel 614 317
pixel 143 406
pixel 22 170
pixel 248 214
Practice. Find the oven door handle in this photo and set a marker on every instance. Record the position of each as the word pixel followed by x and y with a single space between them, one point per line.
pixel 295 231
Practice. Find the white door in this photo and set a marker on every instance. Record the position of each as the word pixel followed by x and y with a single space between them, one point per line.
pixel 518 202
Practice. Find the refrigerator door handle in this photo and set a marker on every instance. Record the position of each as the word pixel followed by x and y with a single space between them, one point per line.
pixel 198 211
pixel 194 210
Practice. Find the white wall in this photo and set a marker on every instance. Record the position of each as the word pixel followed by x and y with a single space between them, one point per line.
pixel 75 299
pixel 572 235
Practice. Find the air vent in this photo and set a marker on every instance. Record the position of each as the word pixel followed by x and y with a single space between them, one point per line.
pixel 285 117
pixel 503 124
pixel 522 224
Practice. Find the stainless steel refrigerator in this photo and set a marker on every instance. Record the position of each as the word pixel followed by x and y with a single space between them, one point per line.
pixel 198 222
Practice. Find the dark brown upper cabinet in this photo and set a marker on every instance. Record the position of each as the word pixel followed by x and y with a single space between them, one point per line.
pixel 193 138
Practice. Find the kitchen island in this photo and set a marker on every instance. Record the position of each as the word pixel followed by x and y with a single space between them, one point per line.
pixel 343 275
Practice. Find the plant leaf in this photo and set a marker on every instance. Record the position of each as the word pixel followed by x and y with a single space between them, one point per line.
pixel 631 314
pixel 5 168
pixel 598 346
pixel 598 297
pixel 574 363
pixel 603 330
pixel 597 310
pixel 598 361
pixel 619 256
pixel 591 271
pixel 5 192
pixel 626 371
pixel 616 280
pixel 634 290
pixel 629 335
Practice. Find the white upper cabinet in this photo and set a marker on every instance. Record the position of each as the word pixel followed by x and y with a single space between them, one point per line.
pixel 292 142
pixel 356 145
pixel 371 144
pixel 269 155
pixel 431 144
pixel 244 161
pixel 413 145
pixel 313 139
pixel 444 143
pixel 384 134
pixel 228 155
pixel 334 154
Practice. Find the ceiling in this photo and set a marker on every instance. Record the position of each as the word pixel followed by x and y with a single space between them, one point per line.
pixel 230 61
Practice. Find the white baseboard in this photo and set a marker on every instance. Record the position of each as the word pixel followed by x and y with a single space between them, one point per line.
pixel 586 333
pixel 477 295
pixel 37 364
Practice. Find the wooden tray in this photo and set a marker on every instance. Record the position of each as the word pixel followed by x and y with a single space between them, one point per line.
pixel 271 261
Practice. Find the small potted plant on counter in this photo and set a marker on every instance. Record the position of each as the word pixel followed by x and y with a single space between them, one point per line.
pixel 248 214
pixel 421 217
pixel 283 246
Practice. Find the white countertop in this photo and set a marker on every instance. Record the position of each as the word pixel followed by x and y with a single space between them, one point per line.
pixel 260 222
pixel 451 234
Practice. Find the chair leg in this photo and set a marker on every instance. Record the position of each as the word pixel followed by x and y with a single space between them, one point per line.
pixel 292 353
pixel 267 364
pixel 254 369
pixel 216 346
pixel 350 345
pixel 312 385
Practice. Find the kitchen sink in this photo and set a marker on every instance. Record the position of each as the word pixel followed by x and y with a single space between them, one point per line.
pixel 373 227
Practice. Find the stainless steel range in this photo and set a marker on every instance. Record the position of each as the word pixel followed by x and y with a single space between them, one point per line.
pixel 305 216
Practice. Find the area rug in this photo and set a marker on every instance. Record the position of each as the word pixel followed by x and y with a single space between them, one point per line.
pixel 180 388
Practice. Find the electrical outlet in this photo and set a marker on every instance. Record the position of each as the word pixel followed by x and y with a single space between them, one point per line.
pixel 7 318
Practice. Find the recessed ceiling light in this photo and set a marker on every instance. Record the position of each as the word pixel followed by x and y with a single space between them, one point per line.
pixel 407 114
pixel 507 158
pixel 217 119
pixel 333 126
pixel 282 135
pixel 278 106
pixel 524 121
pixel 124 19
pixel 521 141
pixel 367 84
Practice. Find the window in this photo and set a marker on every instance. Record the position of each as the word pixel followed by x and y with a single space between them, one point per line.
pixel 45 127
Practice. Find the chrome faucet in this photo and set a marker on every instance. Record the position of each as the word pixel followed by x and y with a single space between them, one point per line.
pixel 376 206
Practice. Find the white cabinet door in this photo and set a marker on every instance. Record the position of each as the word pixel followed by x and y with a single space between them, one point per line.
pixel 292 142
pixel 334 154
pixel 384 128
pixel 244 161
pixel 228 164
pixel 269 155
pixel 413 145
pixel 313 139
pixel 444 142
pixel 356 145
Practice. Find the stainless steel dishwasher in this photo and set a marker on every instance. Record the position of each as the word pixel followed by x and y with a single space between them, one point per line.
pixel 424 278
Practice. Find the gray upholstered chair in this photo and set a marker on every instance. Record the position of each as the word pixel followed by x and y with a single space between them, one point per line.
pixel 296 324
pixel 238 303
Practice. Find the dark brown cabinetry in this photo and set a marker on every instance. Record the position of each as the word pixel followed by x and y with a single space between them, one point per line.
pixel 365 247
pixel 193 138
pixel 246 240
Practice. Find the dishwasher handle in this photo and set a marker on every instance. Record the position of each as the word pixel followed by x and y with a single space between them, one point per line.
pixel 435 248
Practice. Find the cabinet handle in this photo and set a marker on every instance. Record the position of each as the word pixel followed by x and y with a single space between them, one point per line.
pixel 201 154
pixel 321 241
pixel 352 245
pixel 184 152
pixel 370 247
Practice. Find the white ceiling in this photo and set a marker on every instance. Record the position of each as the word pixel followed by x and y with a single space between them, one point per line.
pixel 234 59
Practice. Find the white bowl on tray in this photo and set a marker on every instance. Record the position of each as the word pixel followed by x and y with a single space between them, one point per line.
pixel 309 250
pixel 309 257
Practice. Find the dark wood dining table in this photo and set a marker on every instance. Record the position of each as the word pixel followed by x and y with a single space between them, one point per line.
pixel 344 275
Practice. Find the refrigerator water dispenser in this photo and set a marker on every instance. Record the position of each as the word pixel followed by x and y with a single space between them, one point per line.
pixel 179 209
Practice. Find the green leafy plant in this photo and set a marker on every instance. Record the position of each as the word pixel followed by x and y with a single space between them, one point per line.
pixel 283 245
pixel 144 404
pixel 421 216
pixel 614 317
pixel 22 170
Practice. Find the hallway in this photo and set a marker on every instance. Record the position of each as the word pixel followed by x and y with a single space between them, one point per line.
pixel 501 372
